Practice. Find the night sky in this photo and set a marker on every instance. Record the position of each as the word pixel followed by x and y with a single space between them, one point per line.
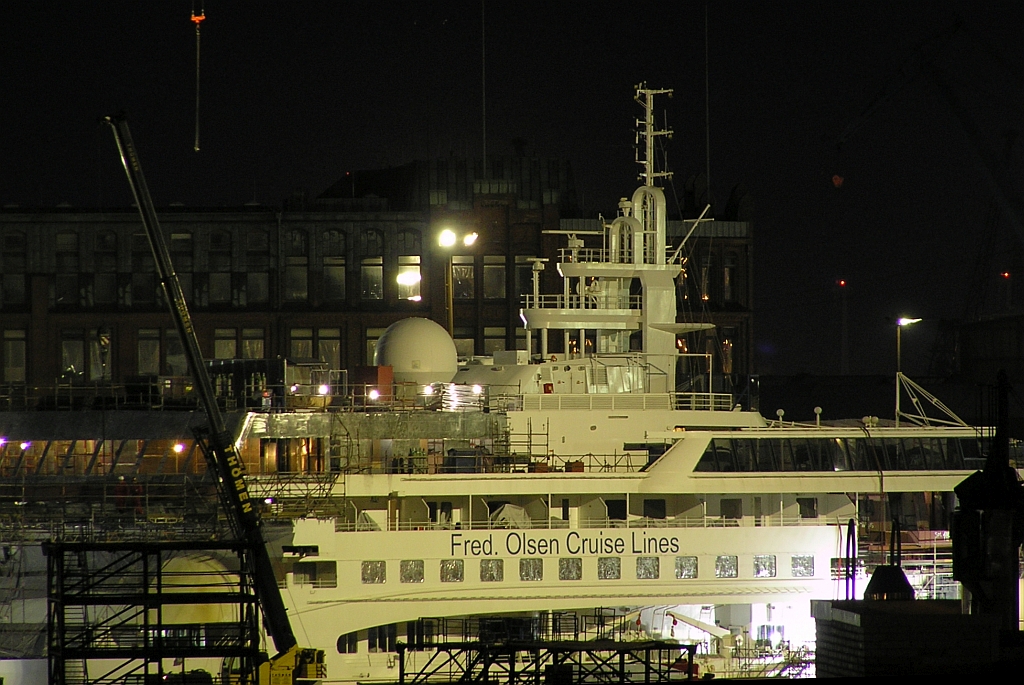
pixel 296 93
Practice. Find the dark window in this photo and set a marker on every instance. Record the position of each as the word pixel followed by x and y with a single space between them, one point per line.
pixel 348 643
pixel 732 508
pixel 616 509
pixel 334 266
pixel 808 507
pixel 383 638
pixel 654 508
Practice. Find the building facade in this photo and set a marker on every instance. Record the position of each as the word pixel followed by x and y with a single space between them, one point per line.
pixel 80 301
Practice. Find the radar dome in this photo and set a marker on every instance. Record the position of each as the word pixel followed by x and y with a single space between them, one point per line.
pixel 418 350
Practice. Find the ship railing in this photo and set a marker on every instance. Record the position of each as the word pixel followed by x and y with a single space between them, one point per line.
pixel 595 300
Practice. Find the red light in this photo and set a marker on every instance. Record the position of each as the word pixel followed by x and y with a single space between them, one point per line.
pixel 1005 274
pixel 841 282
pixel 837 181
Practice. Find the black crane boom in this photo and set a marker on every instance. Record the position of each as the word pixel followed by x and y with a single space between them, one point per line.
pixel 230 469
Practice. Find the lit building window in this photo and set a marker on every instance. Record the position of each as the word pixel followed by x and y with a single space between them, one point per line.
pixel 301 343
pixel 371 278
pixel 224 343
pixel 494 277
pixel 463 282
pixel 328 346
pixel 409 278
pixel 252 343
pixel 296 270
pixel 148 352
pixel 803 565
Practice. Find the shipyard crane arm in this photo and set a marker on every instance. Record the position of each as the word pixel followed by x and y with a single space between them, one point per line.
pixel 230 471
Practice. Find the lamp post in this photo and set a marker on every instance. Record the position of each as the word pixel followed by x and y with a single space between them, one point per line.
pixel 447 239
pixel 900 323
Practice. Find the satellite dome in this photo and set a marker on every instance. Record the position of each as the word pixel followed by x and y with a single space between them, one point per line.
pixel 418 350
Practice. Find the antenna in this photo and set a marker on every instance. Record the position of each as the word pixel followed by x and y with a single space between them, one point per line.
pixel 483 82
pixel 198 19
pixel 646 130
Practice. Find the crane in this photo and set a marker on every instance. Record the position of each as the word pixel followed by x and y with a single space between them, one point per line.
pixel 229 469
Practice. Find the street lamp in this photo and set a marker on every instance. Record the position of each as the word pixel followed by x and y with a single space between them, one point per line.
pixel 900 323
pixel 447 239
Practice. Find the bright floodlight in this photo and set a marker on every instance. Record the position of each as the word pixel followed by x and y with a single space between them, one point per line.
pixel 904 321
pixel 295 388
pixel 25 445
pixel 469 239
pixel 324 389
pixel 447 238
pixel 178 448
pixel 374 394
pixel 414 298
pixel 477 390
pixel 408 278
pixel 428 390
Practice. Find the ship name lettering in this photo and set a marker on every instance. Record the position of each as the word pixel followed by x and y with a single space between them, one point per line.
pixel 472 548
pixel 645 544
pixel 519 543
pixel 594 544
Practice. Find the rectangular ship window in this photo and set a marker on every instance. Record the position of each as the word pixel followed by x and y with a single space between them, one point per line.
pixel 648 568
pixel 803 565
pixel 531 569
pixel 375 572
pixel 727 566
pixel 492 570
pixel 609 568
pixel 452 570
pixel 570 568
pixel 764 565
pixel 686 567
pixel 411 571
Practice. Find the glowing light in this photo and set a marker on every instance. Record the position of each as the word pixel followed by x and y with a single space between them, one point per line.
pixel 842 282
pixel 295 388
pixel 477 390
pixel 414 298
pixel 428 390
pixel 374 394
pixel 904 321
pixel 3 441
pixel 408 278
pixel 178 448
pixel 324 389
pixel 1005 274
pixel 268 500
pixel 447 238
pixel 25 445
pixel 469 239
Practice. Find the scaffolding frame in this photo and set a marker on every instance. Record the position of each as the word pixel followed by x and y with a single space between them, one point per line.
pixel 106 607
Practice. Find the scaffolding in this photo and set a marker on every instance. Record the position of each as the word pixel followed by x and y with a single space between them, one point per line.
pixel 112 609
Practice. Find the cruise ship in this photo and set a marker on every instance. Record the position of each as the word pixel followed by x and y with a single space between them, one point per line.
pixel 603 485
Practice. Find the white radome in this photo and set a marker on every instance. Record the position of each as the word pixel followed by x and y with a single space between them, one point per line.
pixel 418 350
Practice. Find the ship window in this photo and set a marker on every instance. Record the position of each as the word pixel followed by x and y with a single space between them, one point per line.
pixel 803 565
pixel 727 566
pixel 382 638
pixel 411 571
pixel 686 567
pixel 531 569
pixel 565 509
pixel 731 508
pixel 418 634
pixel 764 565
pixel 648 568
pixel 315 573
pixel 492 570
pixel 452 570
pixel 348 643
pixel 609 568
pixel 616 509
pixel 570 568
pixel 808 507
pixel 654 508
pixel 374 572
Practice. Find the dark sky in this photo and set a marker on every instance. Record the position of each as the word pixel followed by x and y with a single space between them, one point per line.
pixel 296 93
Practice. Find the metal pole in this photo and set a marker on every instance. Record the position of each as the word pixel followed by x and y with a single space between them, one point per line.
pixel 899 330
pixel 449 277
